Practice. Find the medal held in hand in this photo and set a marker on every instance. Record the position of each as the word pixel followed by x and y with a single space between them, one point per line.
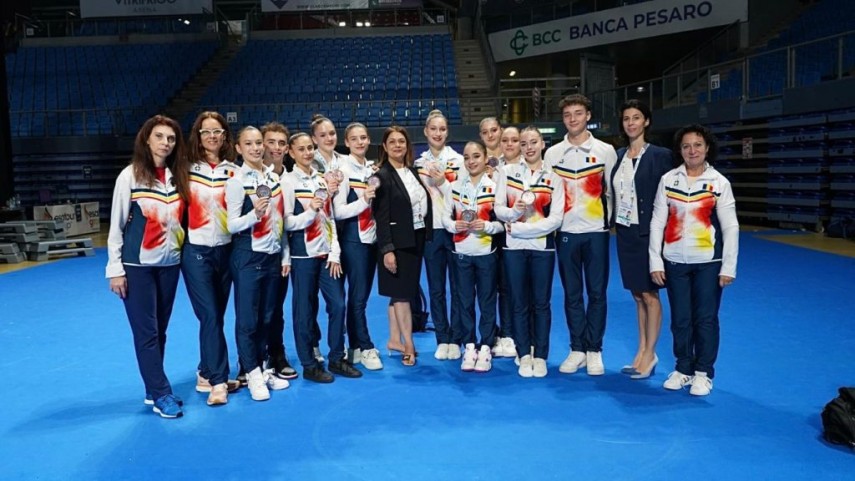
pixel 263 192
pixel 374 181
pixel 322 194
pixel 493 162
pixel 528 197
pixel 334 176
pixel 433 166
pixel 468 215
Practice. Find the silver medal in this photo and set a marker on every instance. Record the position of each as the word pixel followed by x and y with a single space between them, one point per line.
pixel 263 192
pixel 528 197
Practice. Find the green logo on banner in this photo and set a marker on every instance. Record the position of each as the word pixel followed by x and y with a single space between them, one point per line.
pixel 519 42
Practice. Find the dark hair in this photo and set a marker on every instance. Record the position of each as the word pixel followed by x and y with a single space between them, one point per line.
pixel 645 112
pixel 478 143
pixel 197 149
pixel 510 127
pixel 704 132
pixel 575 99
pixel 143 162
pixel 384 156
pixel 297 135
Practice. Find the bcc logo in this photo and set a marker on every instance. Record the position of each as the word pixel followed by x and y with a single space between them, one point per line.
pixel 520 41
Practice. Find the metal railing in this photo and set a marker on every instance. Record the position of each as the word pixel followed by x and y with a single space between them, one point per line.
pixel 534 99
pixel 759 76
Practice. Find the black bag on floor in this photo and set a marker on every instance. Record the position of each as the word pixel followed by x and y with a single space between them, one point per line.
pixel 419 307
pixel 838 418
pixel 842 228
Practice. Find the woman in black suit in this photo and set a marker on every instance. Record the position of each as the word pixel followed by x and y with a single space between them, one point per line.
pixel 402 212
pixel 635 179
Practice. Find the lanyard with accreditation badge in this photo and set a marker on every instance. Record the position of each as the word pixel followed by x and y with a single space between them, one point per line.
pixel 626 203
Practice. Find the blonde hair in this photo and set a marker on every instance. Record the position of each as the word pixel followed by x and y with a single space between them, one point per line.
pixel 488 119
pixel 435 113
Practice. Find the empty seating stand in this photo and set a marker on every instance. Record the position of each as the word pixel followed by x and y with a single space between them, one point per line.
pixel 374 80
pixel 96 89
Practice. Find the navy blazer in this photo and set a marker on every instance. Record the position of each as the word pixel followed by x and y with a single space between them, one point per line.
pixel 655 163
pixel 393 212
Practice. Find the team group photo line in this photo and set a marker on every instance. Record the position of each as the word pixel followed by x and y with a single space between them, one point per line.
pixel 243 213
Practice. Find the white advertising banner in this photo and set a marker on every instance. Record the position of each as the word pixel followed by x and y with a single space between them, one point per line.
pixel 642 20
pixel 142 8
pixel 83 218
pixel 305 5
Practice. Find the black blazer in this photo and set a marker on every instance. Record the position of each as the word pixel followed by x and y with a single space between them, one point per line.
pixel 655 163
pixel 393 212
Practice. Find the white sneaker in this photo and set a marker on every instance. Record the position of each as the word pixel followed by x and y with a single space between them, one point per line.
pixel 356 354
pixel 316 352
pixel 441 352
pixel 677 381
pixel 701 384
pixel 526 366
pixel 517 360
pixel 274 382
pixel 594 359
pixel 509 349
pixel 257 385
pixel 539 369
pixel 498 349
pixel 574 361
pixel 453 352
pixel 485 360
pixel 470 357
pixel 370 359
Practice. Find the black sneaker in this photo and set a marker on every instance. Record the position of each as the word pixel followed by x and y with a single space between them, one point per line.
pixel 241 377
pixel 344 368
pixel 317 374
pixel 281 367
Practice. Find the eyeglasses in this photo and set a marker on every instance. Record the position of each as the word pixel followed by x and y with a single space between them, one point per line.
pixel 209 132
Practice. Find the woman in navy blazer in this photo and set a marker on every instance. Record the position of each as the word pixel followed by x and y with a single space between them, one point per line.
pixel 635 179
pixel 404 218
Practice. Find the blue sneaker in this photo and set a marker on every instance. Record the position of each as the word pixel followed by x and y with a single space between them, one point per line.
pixel 149 401
pixel 167 406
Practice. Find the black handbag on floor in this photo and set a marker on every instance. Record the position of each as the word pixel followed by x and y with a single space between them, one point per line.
pixel 419 308
pixel 838 418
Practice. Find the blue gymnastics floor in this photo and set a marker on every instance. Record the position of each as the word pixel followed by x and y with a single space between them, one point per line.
pixel 72 401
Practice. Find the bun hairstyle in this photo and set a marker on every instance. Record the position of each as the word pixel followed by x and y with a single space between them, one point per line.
pixel 435 113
